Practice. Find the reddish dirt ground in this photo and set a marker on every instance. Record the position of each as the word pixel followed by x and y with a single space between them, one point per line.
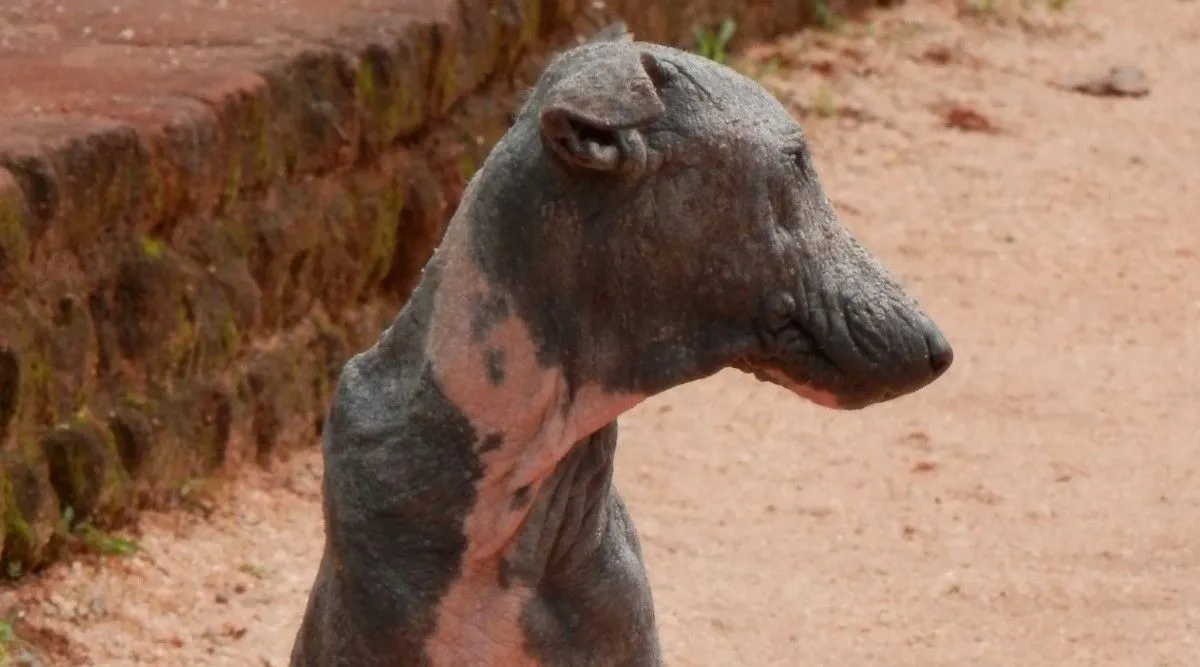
pixel 1040 505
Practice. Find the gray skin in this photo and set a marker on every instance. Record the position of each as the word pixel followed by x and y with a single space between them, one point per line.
pixel 650 218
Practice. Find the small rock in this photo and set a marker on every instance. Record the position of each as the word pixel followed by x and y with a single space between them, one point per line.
pixel 938 54
pixel 967 119
pixel 924 466
pixel 1123 81
pixel 947 585
pixel 62 606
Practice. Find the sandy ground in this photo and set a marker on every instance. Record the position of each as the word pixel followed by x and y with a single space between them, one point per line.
pixel 1040 505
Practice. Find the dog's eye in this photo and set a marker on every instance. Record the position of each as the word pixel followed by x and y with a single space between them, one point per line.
pixel 800 158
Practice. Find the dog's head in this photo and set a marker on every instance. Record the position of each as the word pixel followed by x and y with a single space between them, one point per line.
pixel 656 217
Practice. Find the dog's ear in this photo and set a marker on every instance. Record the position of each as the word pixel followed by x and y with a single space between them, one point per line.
pixel 586 116
pixel 613 32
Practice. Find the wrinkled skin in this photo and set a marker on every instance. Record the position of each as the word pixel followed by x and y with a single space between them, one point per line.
pixel 649 219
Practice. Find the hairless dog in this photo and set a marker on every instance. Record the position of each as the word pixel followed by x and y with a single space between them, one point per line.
pixel 650 218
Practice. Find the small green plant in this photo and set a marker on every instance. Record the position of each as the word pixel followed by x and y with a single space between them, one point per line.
pixel 825 18
pixel 712 45
pixel 255 570
pixel 982 6
pixel 1058 5
pixel 229 335
pixel 768 67
pixel 824 104
pixel 103 543
pixel 8 636
pixel 150 247
pixel 94 539
pixel 13 649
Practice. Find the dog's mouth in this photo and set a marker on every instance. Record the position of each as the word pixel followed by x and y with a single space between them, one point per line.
pixel 790 357
pixel 845 367
pixel 809 393
pixel 797 375
pixel 792 365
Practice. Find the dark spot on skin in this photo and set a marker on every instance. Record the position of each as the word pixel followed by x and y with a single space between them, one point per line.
pixel 521 497
pixel 493 359
pixel 379 597
pixel 503 574
pixel 492 442
pixel 488 311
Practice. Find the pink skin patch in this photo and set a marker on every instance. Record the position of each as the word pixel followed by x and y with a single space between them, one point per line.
pixel 817 396
pixel 479 620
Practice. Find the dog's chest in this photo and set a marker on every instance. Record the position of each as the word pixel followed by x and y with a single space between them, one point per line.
pixel 490 627
pixel 592 607
pixel 480 624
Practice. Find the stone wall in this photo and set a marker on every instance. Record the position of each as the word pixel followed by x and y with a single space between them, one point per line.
pixel 185 263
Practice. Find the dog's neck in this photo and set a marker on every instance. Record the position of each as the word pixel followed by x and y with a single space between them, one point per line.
pixel 526 417
pixel 541 495
pixel 463 471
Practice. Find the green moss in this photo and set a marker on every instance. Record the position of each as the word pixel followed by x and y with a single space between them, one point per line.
pixel 365 85
pixel 182 343
pixel 236 235
pixel 156 187
pixel 39 372
pixel 150 247
pixel 426 52
pixel 384 242
pixel 533 21
pixel 14 243
pixel 230 337
pixel 290 156
pixel 264 160
pixel 445 82
pixel 77 474
pixel 19 536
pixel 375 211
pixel 233 183
pixel 405 113
pixel 82 415
pixel 85 468
pixel 466 165
pixel 117 190
pixel 254 130
pixel 117 484
pixel 449 87
pixel 391 107
pixel 365 94
pixel 34 402
pixel 131 400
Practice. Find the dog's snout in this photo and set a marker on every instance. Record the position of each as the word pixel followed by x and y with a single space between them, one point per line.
pixel 941 355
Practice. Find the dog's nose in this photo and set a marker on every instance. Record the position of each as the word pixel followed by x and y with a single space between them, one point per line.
pixel 941 355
